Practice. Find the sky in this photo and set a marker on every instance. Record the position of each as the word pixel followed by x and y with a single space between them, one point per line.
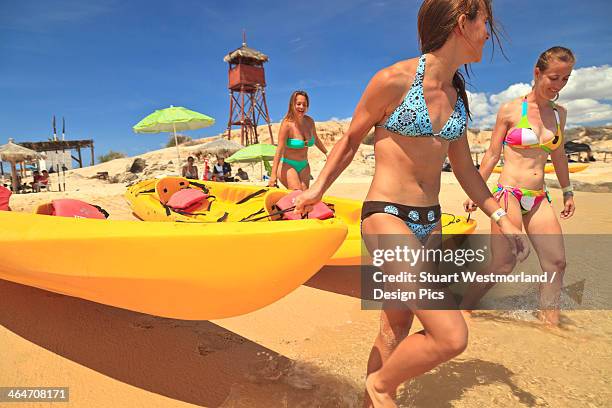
pixel 106 64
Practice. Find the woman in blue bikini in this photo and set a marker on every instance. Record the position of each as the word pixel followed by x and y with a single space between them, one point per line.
pixel 297 133
pixel 419 107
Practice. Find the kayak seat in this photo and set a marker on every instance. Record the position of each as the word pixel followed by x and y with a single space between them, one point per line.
pixel 166 187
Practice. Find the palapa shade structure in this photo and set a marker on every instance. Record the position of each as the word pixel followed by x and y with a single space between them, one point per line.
pixel 220 147
pixel 13 153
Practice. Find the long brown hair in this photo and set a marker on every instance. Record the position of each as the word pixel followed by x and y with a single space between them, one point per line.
pixel 291 111
pixel 436 21
pixel 559 53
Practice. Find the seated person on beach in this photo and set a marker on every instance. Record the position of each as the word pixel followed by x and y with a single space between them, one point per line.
pixel 43 180
pixel 35 178
pixel 189 170
pixel 222 171
pixel 242 175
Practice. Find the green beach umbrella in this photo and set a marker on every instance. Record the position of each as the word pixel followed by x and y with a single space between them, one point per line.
pixel 172 119
pixel 259 152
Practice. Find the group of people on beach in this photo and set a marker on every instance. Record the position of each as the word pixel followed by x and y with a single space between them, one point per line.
pixel 221 171
pixel 420 110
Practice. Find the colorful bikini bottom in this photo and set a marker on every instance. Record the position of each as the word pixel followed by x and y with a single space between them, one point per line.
pixel 526 198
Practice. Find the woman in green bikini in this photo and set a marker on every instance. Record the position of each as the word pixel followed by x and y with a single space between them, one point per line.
pixel 296 135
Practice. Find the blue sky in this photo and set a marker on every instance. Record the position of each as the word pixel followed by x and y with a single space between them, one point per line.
pixel 106 64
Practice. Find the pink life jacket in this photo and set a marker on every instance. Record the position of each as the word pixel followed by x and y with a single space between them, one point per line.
pixel 320 210
pixel 188 200
pixel 67 207
pixel 5 195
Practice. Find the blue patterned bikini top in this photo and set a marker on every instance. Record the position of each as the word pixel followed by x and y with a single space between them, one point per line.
pixel 411 117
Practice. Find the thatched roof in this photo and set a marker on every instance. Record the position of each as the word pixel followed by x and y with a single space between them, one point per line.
pixel 12 152
pixel 246 53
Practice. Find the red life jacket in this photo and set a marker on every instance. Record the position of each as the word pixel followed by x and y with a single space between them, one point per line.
pixel 188 200
pixel 5 195
pixel 67 207
pixel 320 210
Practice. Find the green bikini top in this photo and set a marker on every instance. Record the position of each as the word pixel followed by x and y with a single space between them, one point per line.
pixel 299 143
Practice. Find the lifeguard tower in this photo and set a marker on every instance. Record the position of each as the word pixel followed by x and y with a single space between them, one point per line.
pixel 247 93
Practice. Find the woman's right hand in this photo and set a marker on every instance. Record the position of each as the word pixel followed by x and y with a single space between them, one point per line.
pixel 469 205
pixel 516 238
pixel 272 182
pixel 305 201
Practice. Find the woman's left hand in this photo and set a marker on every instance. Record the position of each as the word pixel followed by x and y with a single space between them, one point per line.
pixel 569 207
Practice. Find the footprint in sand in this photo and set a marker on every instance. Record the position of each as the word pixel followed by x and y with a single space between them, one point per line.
pixel 144 324
pixel 205 350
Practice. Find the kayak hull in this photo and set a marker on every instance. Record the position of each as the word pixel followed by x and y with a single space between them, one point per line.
pixel 176 270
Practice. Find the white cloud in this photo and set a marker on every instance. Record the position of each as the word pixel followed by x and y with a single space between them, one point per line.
pixel 584 97
pixel 336 119
pixel 591 82
pixel 587 111
pixel 513 91
pixel 479 104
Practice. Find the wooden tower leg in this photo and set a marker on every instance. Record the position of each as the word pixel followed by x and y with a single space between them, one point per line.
pixel 265 106
pixel 242 124
pixel 231 115
pixel 252 97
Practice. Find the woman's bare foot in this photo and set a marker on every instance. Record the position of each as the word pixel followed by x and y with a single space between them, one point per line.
pixel 549 317
pixel 378 399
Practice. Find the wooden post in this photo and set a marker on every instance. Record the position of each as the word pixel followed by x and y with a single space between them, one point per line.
pixel 80 158
pixel 263 93
pixel 242 118
pixel 252 112
pixel 229 123
pixel 92 154
pixel 14 177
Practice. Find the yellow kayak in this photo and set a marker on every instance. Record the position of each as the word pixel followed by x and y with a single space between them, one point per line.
pixel 178 270
pixel 236 202
pixel 549 168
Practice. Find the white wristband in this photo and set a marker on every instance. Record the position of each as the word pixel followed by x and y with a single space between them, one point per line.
pixel 497 214
pixel 568 189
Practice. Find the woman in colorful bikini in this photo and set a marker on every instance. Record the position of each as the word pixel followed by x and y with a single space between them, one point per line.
pixel 529 130
pixel 419 107
pixel 297 133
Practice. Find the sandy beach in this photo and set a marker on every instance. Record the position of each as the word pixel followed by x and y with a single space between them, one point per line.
pixel 307 350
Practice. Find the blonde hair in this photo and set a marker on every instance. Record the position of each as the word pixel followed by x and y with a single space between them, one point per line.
pixel 559 53
pixel 291 111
